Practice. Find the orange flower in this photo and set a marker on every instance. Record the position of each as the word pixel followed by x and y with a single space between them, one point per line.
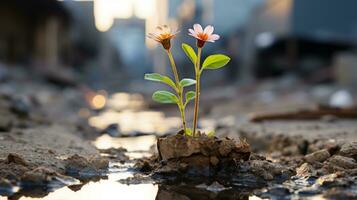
pixel 163 35
pixel 203 36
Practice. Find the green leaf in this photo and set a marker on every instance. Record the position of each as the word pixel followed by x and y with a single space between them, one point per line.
pixel 164 97
pixel 188 132
pixel 211 134
pixel 215 61
pixel 190 95
pixel 187 82
pixel 189 52
pixel 160 78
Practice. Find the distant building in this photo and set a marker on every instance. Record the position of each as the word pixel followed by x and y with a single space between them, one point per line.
pixel 298 36
pixel 33 32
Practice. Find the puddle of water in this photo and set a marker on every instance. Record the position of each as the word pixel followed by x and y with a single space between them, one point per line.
pixel 132 144
pixel 103 189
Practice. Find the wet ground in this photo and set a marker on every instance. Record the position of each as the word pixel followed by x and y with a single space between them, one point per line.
pixel 303 159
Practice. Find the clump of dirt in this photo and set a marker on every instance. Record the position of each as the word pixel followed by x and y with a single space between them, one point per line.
pixel 202 153
pixel 84 168
pixel 202 158
pixel 42 176
pixel 13 167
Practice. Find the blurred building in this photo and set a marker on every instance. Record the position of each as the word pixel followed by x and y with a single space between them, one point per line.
pixel 300 37
pixel 33 32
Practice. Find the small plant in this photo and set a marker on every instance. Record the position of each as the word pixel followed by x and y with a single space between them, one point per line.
pixel 164 35
pixel 215 61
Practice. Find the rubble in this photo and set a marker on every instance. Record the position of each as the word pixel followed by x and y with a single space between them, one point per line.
pixel 317 156
pixel 43 177
pixel 16 159
pixel 342 162
pixel 349 150
pixel 179 146
pixel 265 169
pixel 83 167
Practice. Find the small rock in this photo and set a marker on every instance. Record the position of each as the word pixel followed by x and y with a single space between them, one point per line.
pixel 317 156
pixel 343 162
pixel 226 146
pixel 80 165
pixel 349 150
pixel 15 158
pixel 43 176
pixel 265 169
pixel 305 170
pixel 38 176
pixel 99 162
pixel 333 180
pixel 214 160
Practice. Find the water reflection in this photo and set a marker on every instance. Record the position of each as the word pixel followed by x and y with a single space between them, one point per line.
pixel 131 121
pixel 140 143
pixel 104 189
pixel 128 111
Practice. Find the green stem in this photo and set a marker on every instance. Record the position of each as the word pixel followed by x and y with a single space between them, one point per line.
pixel 197 99
pixel 179 90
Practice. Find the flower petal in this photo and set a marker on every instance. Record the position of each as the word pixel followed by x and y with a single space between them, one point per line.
pixel 197 28
pixel 194 35
pixel 213 37
pixel 209 30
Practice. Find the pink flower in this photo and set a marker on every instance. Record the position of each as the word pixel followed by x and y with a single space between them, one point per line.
pixel 163 35
pixel 203 36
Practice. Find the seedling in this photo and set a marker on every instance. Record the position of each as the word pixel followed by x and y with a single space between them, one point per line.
pixel 164 35
pixel 216 61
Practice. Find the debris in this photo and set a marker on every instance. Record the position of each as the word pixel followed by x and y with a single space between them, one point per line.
pixel 317 156
pixel 343 162
pixel 349 150
pixel 15 158
pixel 79 165
pixel 305 170
pixel 43 176
pixel 207 146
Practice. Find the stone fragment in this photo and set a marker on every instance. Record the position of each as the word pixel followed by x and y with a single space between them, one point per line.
pixel 317 156
pixel 99 162
pixel 226 146
pixel 214 160
pixel 80 165
pixel 305 170
pixel 43 176
pixel 342 162
pixel 15 158
pixel 265 169
pixel 349 150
